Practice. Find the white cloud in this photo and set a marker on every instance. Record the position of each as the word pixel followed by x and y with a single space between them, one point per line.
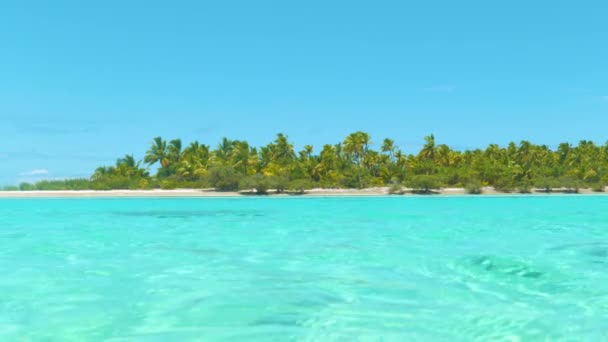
pixel 441 88
pixel 38 172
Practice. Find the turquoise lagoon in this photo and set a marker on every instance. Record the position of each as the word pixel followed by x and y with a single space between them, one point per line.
pixel 305 269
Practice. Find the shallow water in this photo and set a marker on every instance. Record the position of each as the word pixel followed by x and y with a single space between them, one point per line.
pixel 305 269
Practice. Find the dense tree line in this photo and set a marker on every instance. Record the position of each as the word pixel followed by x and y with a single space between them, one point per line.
pixel 353 163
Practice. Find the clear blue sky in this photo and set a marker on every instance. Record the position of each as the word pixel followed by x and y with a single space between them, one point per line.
pixel 82 84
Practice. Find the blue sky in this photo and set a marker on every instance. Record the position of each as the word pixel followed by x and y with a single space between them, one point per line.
pixel 82 84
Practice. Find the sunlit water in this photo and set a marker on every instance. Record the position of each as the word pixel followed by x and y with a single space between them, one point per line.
pixel 309 269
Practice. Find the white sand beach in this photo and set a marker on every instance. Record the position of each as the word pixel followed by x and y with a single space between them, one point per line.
pixel 377 191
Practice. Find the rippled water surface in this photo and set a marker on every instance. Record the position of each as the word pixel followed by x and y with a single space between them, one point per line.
pixel 309 269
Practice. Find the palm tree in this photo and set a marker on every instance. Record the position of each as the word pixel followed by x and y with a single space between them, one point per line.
pixel 524 158
pixel 128 161
pixel 444 155
pixel 428 150
pixel 308 151
pixel 223 150
pixel 196 151
pixel 242 157
pixel 193 161
pixel 158 153
pixel 353 162
pixel 102 171
pixel 282 150
pixel 388 146
pixel 356 145
pixel 174 150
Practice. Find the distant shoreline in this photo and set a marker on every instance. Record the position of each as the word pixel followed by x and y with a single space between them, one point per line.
pixel 197 193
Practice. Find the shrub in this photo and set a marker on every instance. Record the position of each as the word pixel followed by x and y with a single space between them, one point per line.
pixel 112 183
pixel 50 185
pixel 504 184
pixel 374 181
pixel 395 189
pixel 279 183
pixel 259 182
pixel 524 187
pixel 546 183
pixel 506 188
pixel 298 186
pixel 168 184
pixel 453 176
pixel 144 184
pixel 598 187
pixel 100 185
pixel 349 178
pixel 424 183
pixel 69 184
pixel 224 178
pixel 571 184
pixel 27 187
pixel 78 184
pixel 473 187
pixel 200 183
pixel 177 182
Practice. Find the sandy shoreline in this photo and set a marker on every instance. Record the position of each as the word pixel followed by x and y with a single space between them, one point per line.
pixel 383 191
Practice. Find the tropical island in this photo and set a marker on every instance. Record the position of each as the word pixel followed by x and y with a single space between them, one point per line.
pixel 234 165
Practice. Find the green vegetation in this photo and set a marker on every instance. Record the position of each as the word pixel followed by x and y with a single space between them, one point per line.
pixel 424 184
pixel 395 187
pixel 68 184
pixel 299 186
pixel 258 183
pixel 277 167
pixel 473 187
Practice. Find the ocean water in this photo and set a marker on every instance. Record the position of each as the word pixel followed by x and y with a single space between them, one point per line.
pixel 305 269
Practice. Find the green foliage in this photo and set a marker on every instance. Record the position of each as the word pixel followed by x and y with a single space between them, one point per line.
pixel 279 183
pixel 356 147
pixel 144 184
pixel 599 187
pixel 10 188
pixel 395 189
pixel 504 184
pixel 524 186
pixel 424 184
pixel 546 184
pixel 257 182
pixel 114 183
pixel 173 182
pixel 351 178
pixel 571 184
pixel 353 163
pixel 68 184
pixel 27 186
pixel 224 178
pixel 299 186
pixel 473 187
pixel 169 184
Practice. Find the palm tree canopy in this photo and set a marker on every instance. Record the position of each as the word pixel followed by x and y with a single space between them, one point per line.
pixel 354 163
